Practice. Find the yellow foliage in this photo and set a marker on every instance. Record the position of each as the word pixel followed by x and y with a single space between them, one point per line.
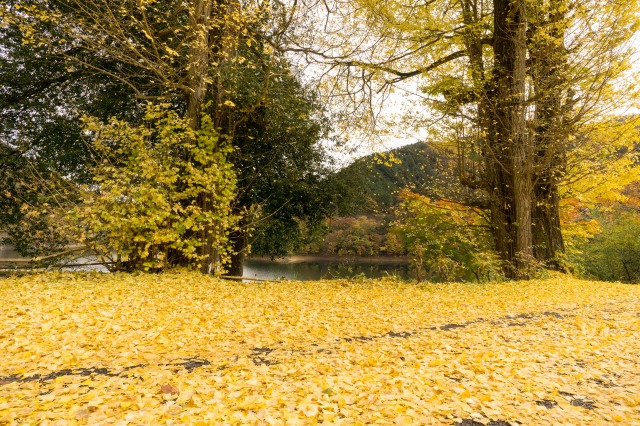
pixel 605 161
pixel 158 187
pixel 184 348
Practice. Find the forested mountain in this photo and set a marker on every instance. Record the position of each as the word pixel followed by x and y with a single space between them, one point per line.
pixel 375 180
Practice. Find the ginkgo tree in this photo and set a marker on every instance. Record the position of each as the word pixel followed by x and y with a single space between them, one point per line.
pixel 511 85
pixel 145 206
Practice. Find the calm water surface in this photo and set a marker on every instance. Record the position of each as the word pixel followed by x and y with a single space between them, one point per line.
pixel 312 269
pixel 325 269
pixel 7 252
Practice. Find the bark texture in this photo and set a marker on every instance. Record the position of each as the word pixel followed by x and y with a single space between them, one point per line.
pixel 520 112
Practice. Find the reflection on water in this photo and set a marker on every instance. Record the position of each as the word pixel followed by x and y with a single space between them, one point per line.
pixel 324 269
pixel 87 262
pixel 263 268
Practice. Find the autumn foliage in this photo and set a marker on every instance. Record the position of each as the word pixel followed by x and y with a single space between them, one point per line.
pixel 447 240
pixel 150 208
pixel 184 348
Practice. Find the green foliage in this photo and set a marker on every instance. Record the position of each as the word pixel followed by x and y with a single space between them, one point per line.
pixel 42 97
pixel 281 164
pixel 373 184
pixel 43 154
pixel 161 192
pixel 26 192
pixel 446 240
pixel 282 236
pixel 614 254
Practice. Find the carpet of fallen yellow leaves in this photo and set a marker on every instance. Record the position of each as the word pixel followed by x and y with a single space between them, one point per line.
pixel 187 349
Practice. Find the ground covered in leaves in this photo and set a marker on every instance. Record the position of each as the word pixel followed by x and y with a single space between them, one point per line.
pixel 187 349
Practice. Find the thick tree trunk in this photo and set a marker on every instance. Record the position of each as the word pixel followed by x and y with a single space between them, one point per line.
pixel 239 249
pixel 226 50
pixel 199 22
pixel 494 118
pixel 508 166
pixel 523 167
pixel 548 60
pixel 500 206
pixel 548 238
pixel 199 51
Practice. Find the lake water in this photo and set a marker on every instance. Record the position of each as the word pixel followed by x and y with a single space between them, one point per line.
pixel 316 269
pixel 305 269
pixel 7 252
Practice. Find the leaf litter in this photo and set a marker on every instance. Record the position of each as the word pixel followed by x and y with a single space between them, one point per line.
pixel 182 348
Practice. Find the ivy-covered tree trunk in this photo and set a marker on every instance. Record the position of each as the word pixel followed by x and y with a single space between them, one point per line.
pixel 207 42
pixel 197 91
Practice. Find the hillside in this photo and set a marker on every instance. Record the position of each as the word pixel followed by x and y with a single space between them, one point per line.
pixel 373 181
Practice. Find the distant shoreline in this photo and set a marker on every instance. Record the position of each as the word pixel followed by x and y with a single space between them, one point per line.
pixel 307 258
